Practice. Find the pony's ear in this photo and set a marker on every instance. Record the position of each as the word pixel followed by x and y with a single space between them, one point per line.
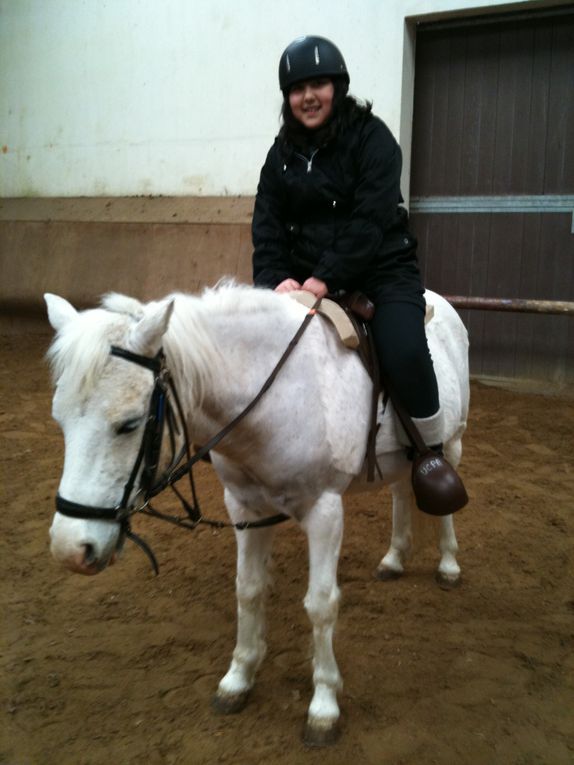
pixel 60 312
pixel 146 335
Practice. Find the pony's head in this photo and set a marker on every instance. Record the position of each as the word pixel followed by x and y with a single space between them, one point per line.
pixel 101 403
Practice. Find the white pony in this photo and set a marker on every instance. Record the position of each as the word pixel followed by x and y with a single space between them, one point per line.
pixel 296 453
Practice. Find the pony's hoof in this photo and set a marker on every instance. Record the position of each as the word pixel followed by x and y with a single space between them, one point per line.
pixel 385 574
pixel 321 735
pixel 448 581
pixel 230 704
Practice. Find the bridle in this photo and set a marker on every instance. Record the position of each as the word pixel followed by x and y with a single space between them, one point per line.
pixel 165 410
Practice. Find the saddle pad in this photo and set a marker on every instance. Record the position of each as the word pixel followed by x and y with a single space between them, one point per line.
pixel 334 313
pixel 338 317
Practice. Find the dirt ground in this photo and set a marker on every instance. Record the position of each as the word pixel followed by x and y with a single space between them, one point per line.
pixel 120 668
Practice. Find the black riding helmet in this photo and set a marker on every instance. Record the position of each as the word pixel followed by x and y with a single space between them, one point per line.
pixel 308 57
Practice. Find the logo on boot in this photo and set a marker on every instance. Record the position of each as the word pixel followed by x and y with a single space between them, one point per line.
pixel 429 466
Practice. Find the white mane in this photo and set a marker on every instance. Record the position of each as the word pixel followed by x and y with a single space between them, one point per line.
pixel 117 303
pixel 82 347
pixel 189 344
pixel 229 297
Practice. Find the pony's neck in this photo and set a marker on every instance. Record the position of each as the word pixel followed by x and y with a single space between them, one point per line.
pixel 221 348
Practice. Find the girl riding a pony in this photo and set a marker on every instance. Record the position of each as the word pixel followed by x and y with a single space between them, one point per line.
pixel 328 217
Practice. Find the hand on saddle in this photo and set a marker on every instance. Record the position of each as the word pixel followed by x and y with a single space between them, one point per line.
pixel 316 286
pixel 288 285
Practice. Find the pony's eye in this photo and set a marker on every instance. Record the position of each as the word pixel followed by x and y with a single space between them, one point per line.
pixel 128 426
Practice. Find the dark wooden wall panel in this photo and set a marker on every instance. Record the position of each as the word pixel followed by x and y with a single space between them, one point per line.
pixel 494 116
pixel 511 256
pixel 494 110
pixel 560 151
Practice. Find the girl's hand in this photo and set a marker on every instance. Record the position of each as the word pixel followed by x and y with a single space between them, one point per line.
pixel 288 285
pixel 316 286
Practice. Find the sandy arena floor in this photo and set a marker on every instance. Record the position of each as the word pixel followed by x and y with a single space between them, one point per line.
pixel 120 668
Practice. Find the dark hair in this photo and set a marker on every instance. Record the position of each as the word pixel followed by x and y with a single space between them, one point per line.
pixel 346 111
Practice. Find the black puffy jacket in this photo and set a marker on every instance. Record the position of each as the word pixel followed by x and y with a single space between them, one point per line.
pixel 336 215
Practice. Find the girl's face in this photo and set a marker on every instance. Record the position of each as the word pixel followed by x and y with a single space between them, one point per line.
pixel 311 101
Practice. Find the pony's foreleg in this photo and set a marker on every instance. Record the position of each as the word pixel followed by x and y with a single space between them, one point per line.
pixel 324 529
pixel 253 554
pixel 392 565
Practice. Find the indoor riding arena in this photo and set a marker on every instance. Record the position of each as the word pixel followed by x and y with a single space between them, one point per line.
pixel 122 667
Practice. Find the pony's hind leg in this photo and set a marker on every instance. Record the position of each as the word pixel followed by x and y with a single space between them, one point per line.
pixel 408 520
pixel 253 555
pixel 448 573
pixel 324 528
pixel 392 566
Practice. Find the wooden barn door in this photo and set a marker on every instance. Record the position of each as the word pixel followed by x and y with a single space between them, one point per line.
pixel 492 185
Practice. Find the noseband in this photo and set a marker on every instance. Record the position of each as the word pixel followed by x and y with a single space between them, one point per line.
pixel 162 411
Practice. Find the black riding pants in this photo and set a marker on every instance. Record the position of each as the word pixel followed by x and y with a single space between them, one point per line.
pixel 404 357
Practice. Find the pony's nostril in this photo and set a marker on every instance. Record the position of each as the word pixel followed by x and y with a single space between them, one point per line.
pixel 89 554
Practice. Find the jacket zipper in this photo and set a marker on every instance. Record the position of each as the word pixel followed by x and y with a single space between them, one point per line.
pixel 308 160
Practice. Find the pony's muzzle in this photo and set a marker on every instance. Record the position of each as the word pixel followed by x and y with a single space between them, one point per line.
pixel 83 553
pixel 85 561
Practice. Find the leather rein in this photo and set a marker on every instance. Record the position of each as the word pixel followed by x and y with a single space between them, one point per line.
pixel 162 412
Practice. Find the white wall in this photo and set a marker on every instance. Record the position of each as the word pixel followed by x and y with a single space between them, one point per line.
pixel 177 97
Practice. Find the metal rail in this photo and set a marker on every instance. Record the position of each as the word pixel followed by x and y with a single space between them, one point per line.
pixel 512 304
pixel 520 203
